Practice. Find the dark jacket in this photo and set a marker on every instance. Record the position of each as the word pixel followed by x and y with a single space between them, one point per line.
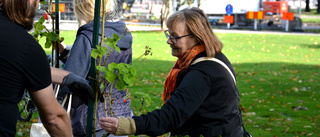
pixel 205 102
pixel 79 62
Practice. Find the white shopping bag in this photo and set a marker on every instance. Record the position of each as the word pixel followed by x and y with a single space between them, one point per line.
pixel 38 130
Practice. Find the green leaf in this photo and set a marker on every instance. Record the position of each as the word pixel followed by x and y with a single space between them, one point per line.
pixel 61 39
pixel 38 27
pixel 138 94
pixel 112 66
pixel 121 77
pixel 104 50
pixel 147 99
pixel 122 68
pixel 109 42
pixel 102 69
pixel 52 36
pixel 48 43
pixel 102 86
pixel 116 37
pixel 133 72
pixel 129 79
pixel 43 2
pixel 110 76
pixel 41 20
pixel 94 53
pixel 116 48
pixel 120 85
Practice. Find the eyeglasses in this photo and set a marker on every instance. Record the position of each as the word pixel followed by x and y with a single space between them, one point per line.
pixel 173 38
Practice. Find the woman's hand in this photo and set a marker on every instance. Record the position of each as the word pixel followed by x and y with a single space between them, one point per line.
pixel 109 124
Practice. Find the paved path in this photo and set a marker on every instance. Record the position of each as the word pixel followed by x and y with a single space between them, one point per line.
pixel 155 27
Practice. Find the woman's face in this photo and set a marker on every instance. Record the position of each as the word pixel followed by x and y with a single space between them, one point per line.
pixel 182 44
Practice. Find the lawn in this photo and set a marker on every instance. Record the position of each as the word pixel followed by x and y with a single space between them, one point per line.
pixel 277 76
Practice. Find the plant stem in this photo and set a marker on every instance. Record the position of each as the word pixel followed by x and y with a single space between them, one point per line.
pixel 138 57
pixel 105 106
pixel 102 24
pixel 107 57
pixel 110 100
pixel 141 106
pixel 98 72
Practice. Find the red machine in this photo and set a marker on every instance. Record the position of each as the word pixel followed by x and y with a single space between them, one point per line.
pixel 276 7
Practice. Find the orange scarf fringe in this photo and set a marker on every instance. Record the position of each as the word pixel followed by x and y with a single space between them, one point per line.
pixel 181 64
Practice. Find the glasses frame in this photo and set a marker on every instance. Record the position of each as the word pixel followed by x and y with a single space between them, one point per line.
pixel 173 38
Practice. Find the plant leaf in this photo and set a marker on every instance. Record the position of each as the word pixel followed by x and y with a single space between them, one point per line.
pixel 110 76
pixel 104 50
pixel 116 37
pixel 120 85
pixel 94 53
pixel 147 99
pixel 112 66
pixel 48 43
pixel 41 20
pixel 38 26
pixel 101 86
pixel 122 69
pixel 128 79
pixel 103 69
pixel 133 72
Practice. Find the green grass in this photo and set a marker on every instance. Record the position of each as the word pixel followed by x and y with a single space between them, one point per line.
pixel 277 76
pixel 311 20
pixel 305 16
pixel 312 12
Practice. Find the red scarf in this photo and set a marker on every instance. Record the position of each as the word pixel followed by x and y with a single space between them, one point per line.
pixel 182 63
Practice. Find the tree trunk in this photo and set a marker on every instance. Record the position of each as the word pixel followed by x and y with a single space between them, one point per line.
pixel 179 4
pixel 165 11
pixel 307 6
pixel 318 9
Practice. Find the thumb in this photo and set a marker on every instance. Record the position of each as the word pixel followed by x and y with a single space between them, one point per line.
pixel 108 119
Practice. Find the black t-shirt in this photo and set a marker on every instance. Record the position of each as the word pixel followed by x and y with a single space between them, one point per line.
pixel 23 65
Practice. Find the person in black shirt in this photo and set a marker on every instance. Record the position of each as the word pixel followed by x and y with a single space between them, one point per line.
pixel 24 65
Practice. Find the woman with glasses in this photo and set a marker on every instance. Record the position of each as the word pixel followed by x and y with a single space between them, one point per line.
pixel 200 96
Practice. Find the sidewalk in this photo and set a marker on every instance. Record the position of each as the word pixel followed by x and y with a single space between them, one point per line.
pixel 65 26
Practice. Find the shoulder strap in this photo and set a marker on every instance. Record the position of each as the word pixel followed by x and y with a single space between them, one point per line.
pixel 88 34
pixel 215 60
pixel 56 90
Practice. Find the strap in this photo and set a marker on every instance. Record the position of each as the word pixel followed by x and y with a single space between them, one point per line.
pixel 215 60
pixel 56 90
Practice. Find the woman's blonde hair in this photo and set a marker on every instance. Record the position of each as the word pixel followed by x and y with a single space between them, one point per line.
pixel 20 11
pixel 84 9
pixel 198 25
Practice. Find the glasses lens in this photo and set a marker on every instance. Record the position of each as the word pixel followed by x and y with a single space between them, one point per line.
pixel 167 34
pixel 173 40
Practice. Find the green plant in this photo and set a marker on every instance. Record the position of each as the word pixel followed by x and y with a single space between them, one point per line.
pixel 51 36
pixel 121 75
